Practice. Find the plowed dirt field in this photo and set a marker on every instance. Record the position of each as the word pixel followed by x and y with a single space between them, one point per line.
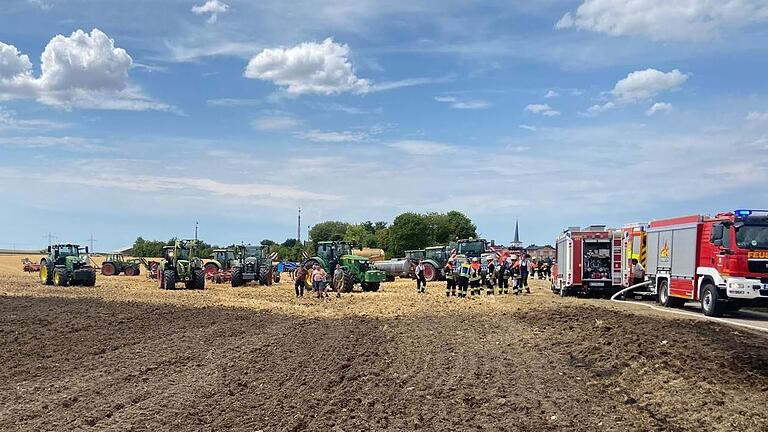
pixel 125 355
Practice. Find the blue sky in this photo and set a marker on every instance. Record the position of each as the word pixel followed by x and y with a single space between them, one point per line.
pixel 121 119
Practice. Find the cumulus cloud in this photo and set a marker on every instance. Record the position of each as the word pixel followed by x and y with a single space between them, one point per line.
pixel 663 19
pixel 551 94
pixel 275 122
pixel 659 107
pixel 467 104
pixel 82 70
pixel 423 148
pixel 212 7
pixel 598 109
pixel 543 109
pixel 310 67
pixel 645 84
pixel 757 116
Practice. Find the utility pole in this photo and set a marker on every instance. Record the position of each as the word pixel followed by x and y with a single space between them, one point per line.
pixel 195 230
pixel 298 235
pixel 50 238
pixel 91 240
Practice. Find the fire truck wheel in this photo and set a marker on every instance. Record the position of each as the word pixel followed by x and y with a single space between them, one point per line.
pixel 709 301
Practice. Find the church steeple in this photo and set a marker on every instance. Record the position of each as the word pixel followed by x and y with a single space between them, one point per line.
pixel 517 242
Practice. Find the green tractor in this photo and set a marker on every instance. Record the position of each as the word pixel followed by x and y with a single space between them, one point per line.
pixel 436 257
pixel 252 263
pixel 65 265
pixel 181 264
pixel 221 259
pixel 356 268
pixel 115 263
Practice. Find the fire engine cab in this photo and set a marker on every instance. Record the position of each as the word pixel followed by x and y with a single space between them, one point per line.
pixel 720 261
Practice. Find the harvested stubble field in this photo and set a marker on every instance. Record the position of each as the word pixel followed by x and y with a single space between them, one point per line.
pixel 127 356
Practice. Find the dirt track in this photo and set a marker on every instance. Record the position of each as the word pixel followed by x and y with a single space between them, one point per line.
pixel 125 356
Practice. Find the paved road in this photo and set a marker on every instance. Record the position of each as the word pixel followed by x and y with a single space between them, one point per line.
pixel 744 318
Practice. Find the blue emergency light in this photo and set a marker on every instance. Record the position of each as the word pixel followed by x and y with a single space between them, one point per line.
pixel 742 213
pixel 745 213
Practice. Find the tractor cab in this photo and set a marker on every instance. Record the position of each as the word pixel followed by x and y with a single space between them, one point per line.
pixel 438 254
pixel 118 258
pixel 415 255
pixel 472 248
pixel 330 251
pixel 223 256
pixel 59 253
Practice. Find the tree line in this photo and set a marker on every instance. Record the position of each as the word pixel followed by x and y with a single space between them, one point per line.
pixel 407 231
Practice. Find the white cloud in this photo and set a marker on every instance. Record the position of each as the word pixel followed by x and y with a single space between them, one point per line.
pixel 213 7
pixel 551 94
pixel 275 122
pixel 65 143
pixel 527 127
pixel 598 109
pixel 334 136
pixel 233 102
pixel 757 116
pixel 659 107
pixel 8 120
pixel 664 19
pixel 422 148
pixel 80 71
pixel 468 104
pixel 645 84
pixel 543 109
pixel 348 109
pixel 310 67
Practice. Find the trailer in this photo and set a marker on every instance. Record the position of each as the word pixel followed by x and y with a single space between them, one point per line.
pixel 720 262
pixel 589 261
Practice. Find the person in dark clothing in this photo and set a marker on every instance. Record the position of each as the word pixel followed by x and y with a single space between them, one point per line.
pixel 504 274
pixel 421 281
pixel 525 266
pixel 301 281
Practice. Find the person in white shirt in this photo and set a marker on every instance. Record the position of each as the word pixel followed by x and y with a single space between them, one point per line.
pixel 421 281
pixel 638 272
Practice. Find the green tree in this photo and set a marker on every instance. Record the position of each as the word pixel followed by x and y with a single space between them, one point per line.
pixel 461 226
pixel 268 242
pixel 289 243
pixel 408 231
pixel 359 236
pixel 328 231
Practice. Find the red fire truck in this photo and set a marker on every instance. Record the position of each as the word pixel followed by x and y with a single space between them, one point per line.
pixel 720 261
pixel 588 261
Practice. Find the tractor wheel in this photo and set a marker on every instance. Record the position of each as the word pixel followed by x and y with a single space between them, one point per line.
pixel 430 272
pixel 108 269
pixel 237 277
pixel 91 281
pixel 198 279
pixel 348 284
pixel 168 280
pixel 276 277
pixel 131 271
pixel 60 277
pixel 46 275
pixel 710 304
pixel 211 269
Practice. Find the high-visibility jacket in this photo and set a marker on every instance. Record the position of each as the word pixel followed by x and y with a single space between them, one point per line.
pixel 464 270
pixel 475 273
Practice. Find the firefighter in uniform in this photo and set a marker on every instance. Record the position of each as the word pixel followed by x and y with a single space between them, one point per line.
pixel 503 276
pixel 490 278
pixel 474 277
pixel 450 280
pixel 464 272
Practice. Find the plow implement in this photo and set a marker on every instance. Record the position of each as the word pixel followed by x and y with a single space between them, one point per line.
pixel 29 266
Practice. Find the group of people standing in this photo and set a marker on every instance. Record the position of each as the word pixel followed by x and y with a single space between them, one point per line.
pixel 318 277
pixel 469 277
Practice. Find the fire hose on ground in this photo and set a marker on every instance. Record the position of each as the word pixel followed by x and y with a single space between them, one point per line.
pixel 678 312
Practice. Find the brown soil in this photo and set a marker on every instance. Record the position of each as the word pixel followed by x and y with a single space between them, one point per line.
pixel 127 356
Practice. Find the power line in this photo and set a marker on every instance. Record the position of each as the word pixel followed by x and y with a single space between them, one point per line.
pixel 91 240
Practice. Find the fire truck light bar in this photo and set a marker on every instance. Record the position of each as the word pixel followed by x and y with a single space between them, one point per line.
pixel 743 213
